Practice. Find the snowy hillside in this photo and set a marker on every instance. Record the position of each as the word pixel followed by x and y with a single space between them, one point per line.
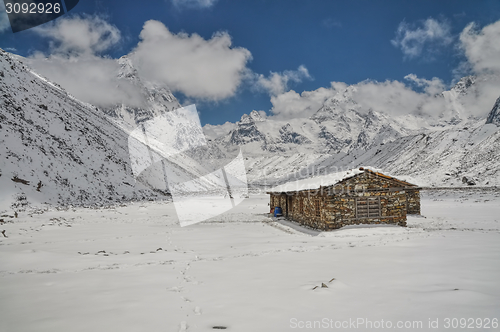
pixel 60 150
pixel 436 158
pixel 439 157
pixel 55 148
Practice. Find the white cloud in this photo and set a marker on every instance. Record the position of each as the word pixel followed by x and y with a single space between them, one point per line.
pixel 389 97
pixel 207 69
pixel 485 93
pixel 431 87
pixel 423 39
pixel 77 35
pixel 193 4
pixel 415 95
pixel 4 19
pixel 74 63
pixel 89 78
pixel 482 47
pixel 396 98
pixel 213 70
pixel 277 83
pixel 200 69
pixel 294 105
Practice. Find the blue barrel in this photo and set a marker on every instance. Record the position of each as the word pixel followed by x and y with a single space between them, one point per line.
pixel 278 212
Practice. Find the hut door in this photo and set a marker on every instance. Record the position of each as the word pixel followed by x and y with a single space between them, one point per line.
pixel 368 207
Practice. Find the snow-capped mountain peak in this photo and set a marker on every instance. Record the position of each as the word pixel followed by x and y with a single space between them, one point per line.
pixel 464 84
pixel 253 117
pixel 127 69
pixel 494 116
pixel 153 99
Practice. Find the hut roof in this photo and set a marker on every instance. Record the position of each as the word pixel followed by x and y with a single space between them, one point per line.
pixel 330 180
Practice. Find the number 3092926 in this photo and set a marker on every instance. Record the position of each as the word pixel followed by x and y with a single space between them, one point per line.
pixel 33 8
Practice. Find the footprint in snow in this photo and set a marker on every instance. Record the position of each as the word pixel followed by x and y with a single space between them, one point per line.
pixel 175 289
pixel 183 326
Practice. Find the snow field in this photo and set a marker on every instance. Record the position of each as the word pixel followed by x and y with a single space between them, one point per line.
pixel 133 268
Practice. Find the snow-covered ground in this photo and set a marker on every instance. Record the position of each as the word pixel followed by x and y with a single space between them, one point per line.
pixel 133 268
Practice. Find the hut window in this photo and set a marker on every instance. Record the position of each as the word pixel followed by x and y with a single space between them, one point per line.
pixel 368 207
pixel 317 205
pixel 301 205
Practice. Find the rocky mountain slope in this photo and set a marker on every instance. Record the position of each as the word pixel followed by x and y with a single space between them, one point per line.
pixel 494 116
pixel 156 99
pixel 55 148
pixel 448 157
pixel 329 130
pixel 59 150
pixel 341 135
pixel 340 125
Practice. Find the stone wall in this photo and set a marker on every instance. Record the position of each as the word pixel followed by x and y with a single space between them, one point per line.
pixel 413 201
pixel 302 207
pixel 341 209
pixel 279 200
pixel 309 208
pixel 333 207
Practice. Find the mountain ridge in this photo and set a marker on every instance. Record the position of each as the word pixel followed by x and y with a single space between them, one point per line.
pixel 57 149
pixel 63 151
pixel 494 115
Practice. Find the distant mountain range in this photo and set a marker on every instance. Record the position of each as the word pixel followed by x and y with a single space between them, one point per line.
pixel 59 150
pixel 439 151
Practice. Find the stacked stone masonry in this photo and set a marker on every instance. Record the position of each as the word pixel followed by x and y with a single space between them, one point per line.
pixel 365 198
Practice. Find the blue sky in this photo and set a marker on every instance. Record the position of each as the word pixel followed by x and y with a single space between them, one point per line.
pixel 307 44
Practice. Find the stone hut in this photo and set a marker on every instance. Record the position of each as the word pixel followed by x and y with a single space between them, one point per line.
pixel 355 197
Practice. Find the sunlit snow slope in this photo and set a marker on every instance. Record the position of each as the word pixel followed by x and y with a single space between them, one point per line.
pixel 55 148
